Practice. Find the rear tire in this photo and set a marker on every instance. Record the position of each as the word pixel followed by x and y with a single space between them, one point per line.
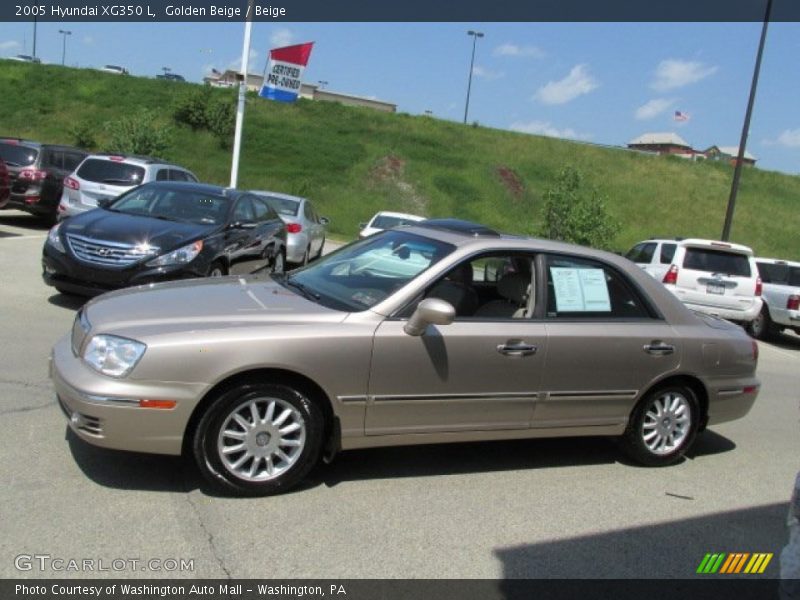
pixel 258 439
pixel 662 426
pixel 278 264
pixel 762 327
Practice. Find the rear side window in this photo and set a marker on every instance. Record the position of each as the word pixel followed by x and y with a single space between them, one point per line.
pixel 642 253
pixel 72 160
pixel 17 155
pixel 584 288
pixel 772 273
pixel 667 253
pixel 717 261
pixel 111 172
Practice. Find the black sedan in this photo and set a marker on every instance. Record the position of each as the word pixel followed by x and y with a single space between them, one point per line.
pixel 163 231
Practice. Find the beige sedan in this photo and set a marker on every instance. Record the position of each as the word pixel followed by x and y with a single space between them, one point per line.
pixel 444 331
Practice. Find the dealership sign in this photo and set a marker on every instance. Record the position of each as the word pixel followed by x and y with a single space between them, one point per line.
pixel 282 78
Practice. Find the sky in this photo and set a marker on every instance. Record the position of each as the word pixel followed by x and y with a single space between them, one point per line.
pixel 601 83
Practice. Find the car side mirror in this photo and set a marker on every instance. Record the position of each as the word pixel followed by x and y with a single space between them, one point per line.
pixel 104 202
pixel 431 311
pixel 324 220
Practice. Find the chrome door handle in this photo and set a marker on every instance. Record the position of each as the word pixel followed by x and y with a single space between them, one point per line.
pixel 517 349
pixel 659 349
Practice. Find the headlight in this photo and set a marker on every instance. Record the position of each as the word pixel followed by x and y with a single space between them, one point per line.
pixel 181 256
pixel 112 355
pixel 54 239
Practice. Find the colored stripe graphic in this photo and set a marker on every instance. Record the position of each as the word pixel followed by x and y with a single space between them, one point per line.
pixel 734 563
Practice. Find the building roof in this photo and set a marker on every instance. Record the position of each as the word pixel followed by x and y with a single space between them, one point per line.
pixel 732 151
pixel 660 139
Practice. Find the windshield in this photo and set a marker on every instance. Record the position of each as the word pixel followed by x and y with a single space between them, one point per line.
pixel 17 155
pixel 174 205
pixel 363 273
pixel 101 170
pixel 387 222
pixel 282 206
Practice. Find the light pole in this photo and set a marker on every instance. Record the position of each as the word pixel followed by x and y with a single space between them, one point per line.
pixel 475 35
pixel 166 70
pixel 322 84
pixel 65 33
pixel 737 172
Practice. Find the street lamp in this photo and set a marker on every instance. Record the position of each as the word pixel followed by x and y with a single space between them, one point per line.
pixel 166 70
pixel 322 84
pixel 65 33
pixel 475 35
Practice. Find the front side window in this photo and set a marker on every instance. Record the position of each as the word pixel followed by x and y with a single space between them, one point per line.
pixel 584 288
pixel 366 272
pixel 642 253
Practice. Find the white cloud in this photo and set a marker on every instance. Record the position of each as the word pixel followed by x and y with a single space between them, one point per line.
pixel 10 45
pixel 654 107
pixel 545 128
pixel 577 83
pixel 789 138
pixel 509 49
pixel 281 38
pixel 672 74
pixel 253 65
pixel 485 73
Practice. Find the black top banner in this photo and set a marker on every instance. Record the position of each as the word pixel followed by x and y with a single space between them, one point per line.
pixel 400 11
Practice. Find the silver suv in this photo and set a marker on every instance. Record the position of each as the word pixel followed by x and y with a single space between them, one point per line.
pixel 103 177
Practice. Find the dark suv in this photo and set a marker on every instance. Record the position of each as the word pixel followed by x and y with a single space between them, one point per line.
pixel 36 173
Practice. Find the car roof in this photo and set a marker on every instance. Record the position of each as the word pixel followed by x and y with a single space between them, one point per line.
pixel 133 158
pixel 38 145
pixel 399 215
pixel 278 195
pixel 778 261
pixel 716 245
pixel 203 188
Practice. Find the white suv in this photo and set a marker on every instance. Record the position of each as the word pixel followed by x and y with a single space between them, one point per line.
pixel 105 176
pixel 717 278
pixel 781 298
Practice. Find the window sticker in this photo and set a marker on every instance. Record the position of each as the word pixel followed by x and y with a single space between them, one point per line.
pixel 580 290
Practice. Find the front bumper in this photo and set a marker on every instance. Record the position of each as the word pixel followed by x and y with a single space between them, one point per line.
pixel 62 271
pixel 104 411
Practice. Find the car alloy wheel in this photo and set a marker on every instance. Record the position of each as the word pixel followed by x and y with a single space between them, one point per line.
pixel 258 439
pixel 662 426
pixel 216 270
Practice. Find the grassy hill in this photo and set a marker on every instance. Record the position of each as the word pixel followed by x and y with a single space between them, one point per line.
pixel 354 162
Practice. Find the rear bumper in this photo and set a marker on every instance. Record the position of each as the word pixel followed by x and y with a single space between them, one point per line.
pixel 296 246
pixel 740 316
pixel 32 201
pixel 732 399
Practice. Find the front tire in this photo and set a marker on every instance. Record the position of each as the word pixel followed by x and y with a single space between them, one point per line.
pixel 217 269
pixel 662 426
pixel 258 439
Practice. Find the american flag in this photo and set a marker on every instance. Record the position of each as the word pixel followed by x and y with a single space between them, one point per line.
pixel 680 116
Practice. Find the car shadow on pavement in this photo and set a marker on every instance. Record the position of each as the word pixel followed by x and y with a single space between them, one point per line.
pixel 67 301
pixel 26 221
pixel 151 472
pixel 786 341
pixel 670 548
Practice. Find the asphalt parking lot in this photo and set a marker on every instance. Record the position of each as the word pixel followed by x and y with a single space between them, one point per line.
pixel 541 508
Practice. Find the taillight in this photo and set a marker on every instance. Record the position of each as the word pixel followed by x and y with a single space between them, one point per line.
pixel 72 183
pixel 755 349
pixel 294 228
pixel 671 278
pixel 793 303
pixel 32 174
pixel 116 158
pixel 759 286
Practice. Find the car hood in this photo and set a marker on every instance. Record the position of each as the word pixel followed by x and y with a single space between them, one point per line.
pixel 123 228
pixel 203 304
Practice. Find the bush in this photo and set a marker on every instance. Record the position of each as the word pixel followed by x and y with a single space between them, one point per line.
pixel 83 136
pixel 138 134
pixel 577 214
pixel 200 110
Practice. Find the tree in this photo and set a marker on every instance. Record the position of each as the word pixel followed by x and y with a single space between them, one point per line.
pixel 576 213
